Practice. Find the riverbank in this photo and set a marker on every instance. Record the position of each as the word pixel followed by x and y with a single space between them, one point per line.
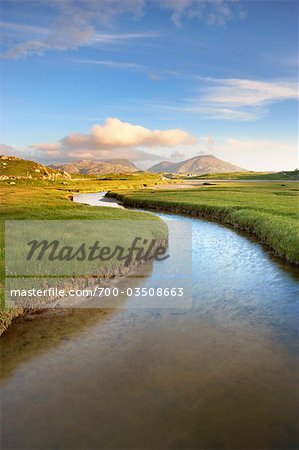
pixel 267 210
pixel 228 362
pixel 50 200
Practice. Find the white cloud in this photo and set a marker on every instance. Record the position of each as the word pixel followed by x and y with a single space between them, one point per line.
pixel 210 144
pixel 242 92
pixel 71 39
pixel 243 99
pixel 235 99
pixel 110 64
pixel 119 37
pixel 6 149
pixel 219 113
pixel 22 28
pixel 51 149
pixel 196 106
pixel 25 49
pixel 259 154
pixel 213 12
pixel 177 155
pixel 115 139
pixel 76 23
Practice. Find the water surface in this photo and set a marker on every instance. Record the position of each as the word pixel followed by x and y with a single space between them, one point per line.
pixel 97 199
pixel 219 375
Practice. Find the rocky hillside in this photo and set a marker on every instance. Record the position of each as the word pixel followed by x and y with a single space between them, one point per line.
pixel 198 165
pixel 88 167
pixel 18 168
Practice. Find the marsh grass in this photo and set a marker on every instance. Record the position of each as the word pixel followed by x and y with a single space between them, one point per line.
pixel 268 210
pixel 31 199
pixel 288 175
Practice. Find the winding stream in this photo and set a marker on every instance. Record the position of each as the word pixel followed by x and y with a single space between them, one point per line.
pixel 221 375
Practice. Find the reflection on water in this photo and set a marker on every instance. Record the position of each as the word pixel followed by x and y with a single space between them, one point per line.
pixel 97 199
pixel 221 375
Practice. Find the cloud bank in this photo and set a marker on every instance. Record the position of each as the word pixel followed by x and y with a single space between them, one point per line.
pixel 76 23
pixel 213 12
pixel 242 92
pixel 260 155
pixel 72 24
pixel 235 99
pixel 7 150
pixel 115 139
pixel 245 99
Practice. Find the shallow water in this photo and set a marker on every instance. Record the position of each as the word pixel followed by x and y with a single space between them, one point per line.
pixel 219 375
pixel 97 199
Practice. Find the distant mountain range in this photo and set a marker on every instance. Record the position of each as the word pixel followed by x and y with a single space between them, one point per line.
pixel 197 165
pixel 88 167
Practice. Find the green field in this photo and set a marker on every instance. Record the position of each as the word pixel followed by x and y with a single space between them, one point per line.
pixel 44 199
pixel 16 167
pixel 290 175
pixel 268 210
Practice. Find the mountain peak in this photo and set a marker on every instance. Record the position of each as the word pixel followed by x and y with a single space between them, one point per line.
pixel 91 167
pixel 197 165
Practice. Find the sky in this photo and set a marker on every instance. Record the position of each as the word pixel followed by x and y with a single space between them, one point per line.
pixel 150 80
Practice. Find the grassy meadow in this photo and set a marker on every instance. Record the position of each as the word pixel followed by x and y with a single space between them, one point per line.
pixel 33 199
pixel 271 176
pixel 268 210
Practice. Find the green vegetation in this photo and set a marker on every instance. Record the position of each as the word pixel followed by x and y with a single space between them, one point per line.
pixel 12 167
pixel 268 210
pixel 291 175
pixel 128 177
pixel 44 199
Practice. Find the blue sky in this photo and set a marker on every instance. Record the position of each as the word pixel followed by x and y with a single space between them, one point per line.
pixel 151 80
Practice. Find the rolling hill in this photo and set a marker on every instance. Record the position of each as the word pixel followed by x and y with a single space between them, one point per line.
pixel 18 168
pixel 88 167
pixel 197 165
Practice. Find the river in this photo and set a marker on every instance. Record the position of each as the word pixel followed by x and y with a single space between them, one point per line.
pixel 219 375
